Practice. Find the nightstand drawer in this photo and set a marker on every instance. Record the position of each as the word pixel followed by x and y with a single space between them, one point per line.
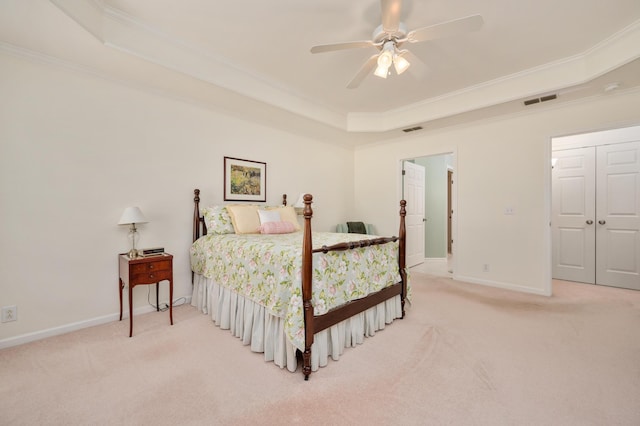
pixel 150 277
pixel 160 265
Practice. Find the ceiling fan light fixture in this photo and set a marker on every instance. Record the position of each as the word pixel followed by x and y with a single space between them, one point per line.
pixel 400 64
pixel 385 59
pixel 381 71
pixel 391 34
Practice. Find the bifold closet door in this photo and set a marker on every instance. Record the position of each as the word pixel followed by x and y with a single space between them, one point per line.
pixel 573 215
pixel 618 215
pixel 596 215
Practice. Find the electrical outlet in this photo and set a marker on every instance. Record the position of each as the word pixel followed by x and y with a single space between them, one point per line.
pixel 485 267
pixel 9 313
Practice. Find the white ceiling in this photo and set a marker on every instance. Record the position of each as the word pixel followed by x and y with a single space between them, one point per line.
pixel 259 51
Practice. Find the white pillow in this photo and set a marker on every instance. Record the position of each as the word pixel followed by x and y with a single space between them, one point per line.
pixel 288 214
pixel 268 216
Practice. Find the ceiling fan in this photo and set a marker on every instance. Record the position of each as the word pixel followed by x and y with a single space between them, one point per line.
pixel 391 35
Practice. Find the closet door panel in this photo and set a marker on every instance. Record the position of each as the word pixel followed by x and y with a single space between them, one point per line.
pixel 618 215
pixel 573 215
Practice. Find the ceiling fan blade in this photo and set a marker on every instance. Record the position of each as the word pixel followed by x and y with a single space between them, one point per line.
pixel 342 46
pixel 446 29
pixel 365 70
pixel 390 15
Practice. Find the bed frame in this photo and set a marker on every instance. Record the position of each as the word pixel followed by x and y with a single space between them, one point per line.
pixel 314 324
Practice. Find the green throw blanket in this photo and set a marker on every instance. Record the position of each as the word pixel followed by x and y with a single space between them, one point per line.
pixel 356 228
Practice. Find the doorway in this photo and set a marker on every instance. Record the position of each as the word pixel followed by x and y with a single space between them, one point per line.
pixel 438 213
pixel 596 208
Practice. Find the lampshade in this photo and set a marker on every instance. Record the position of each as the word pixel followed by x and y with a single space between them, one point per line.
pixel 381 71
pixel 132 215
pixel 400 64
pixel 300 203
pixel 385 59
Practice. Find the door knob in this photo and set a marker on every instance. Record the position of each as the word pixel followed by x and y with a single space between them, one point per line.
pixel 602 222
pixel 589 222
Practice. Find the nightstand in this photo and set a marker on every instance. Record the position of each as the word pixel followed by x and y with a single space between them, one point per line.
pixel 145 271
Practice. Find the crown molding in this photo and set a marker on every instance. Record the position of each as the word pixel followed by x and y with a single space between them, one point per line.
pixel 120 31
pixel 86 13
pixel 614 52
pixel 217 99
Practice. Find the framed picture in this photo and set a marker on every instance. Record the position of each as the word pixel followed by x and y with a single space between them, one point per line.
pixel 244 180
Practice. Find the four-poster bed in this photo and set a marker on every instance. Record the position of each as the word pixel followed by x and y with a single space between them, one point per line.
pixel 282 295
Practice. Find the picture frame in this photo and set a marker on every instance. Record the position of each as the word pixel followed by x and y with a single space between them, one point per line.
pixel 244 180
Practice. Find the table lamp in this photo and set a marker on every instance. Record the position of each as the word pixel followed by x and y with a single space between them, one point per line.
pixel 131 216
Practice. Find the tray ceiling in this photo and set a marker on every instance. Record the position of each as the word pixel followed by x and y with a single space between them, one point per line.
pixel 260 51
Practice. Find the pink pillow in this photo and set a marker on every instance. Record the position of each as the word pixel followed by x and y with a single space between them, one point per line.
pixel 281 227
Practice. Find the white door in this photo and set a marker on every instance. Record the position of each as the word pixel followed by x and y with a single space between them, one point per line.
pixel 573 215
pixel 413 190
pixel 596 215
pixel 618 209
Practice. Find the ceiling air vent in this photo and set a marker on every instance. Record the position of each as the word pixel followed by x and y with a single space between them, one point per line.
pixel 540 99
pixel 412 129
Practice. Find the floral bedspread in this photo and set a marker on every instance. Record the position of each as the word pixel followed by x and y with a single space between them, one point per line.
pixel 267 270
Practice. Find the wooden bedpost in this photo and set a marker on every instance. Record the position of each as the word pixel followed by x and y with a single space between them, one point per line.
pixel 196 221
pixel 307 293
pixel 402 264
pixel 196 215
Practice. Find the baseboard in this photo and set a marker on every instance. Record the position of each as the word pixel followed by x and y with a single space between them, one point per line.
pixel 68 328
pixel 498 284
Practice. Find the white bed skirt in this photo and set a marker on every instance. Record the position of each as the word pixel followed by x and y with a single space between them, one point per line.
pixel 264 332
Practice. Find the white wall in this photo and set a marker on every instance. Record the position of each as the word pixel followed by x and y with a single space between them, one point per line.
pixel 75 150
pixel 500 163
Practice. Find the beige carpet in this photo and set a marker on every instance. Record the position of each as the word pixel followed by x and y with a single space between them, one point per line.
pixel 465 355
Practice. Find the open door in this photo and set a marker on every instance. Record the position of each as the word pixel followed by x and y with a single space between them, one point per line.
pixel 449 211
pixel 413 190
